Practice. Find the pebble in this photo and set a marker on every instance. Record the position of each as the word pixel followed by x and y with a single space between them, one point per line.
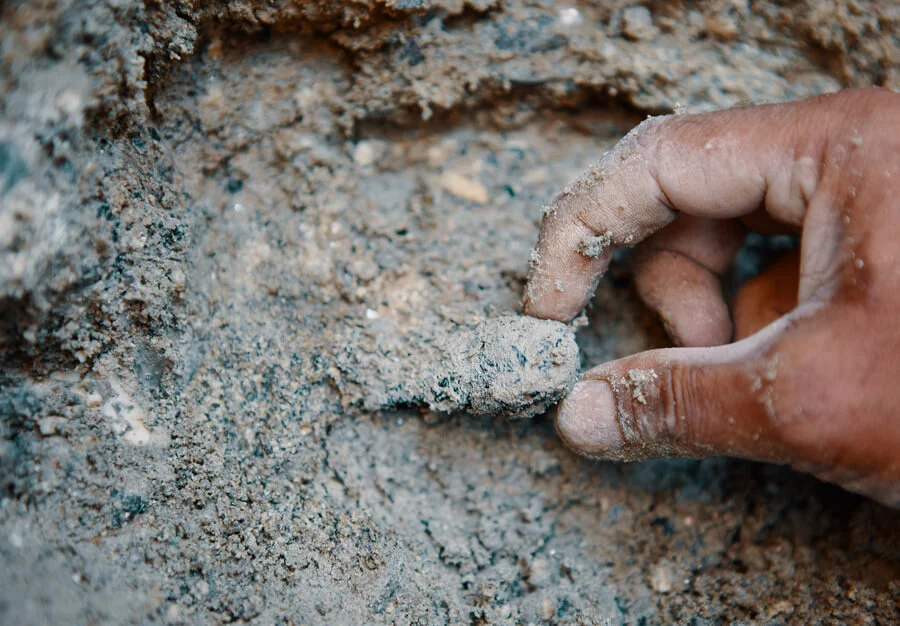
pixel 464 188
pixel 782 608
pixel 437 154
pixel 570 16
pixel 637 24
pixel 722 26
pixel 539 572
pixel 93 400
pixel 547 609
pixel 49 425
pixel 364 153
pixel 662 578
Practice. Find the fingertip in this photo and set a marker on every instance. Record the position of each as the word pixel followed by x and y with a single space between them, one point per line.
pixel 552 305
pixel 686 296
pixel 560 283
pixel 586 420
pixel 702 324
pixel 540 305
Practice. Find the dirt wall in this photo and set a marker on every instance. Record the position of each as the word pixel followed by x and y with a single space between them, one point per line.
pixel 234 237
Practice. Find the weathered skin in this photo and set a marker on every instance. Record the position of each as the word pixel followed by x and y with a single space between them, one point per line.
pixel 812 379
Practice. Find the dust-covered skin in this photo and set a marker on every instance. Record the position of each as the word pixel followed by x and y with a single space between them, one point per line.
pixel 217 215
pixel 811 385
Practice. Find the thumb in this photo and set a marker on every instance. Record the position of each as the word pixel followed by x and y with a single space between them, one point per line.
pixel 684 402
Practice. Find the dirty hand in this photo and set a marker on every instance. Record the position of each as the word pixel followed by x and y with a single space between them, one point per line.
pixel 813 377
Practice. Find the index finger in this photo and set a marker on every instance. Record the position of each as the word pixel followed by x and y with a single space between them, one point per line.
pixel 721 165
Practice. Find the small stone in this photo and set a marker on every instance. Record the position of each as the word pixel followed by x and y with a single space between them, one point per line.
pixel 539 572
pixel 49 425
pixel 783 608
pixel 581 321
pixel 662 578
pixel 722 27
pixel 547 609
pixel 464 188
pixel 570 16
pixel 637 24
pixel 364 153
pixel 307 98
pixel 510 365
pixel 12 168
pixel 536 176
pixel 437 154
pixel 173 613
pixel 178 279
pixel 93 400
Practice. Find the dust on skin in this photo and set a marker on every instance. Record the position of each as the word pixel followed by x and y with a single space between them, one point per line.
pixel 594 246
pixel 640 380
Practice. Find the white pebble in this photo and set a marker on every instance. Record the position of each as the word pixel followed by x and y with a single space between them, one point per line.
pixel 364 153
pixel 637 23
pixel 661 579
pixel 570 16
pixel 464 188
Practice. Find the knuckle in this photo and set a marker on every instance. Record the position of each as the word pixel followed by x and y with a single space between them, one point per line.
pixel 646 412
pixel 687 405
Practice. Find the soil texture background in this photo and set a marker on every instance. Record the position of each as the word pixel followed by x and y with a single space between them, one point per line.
pixel 241 239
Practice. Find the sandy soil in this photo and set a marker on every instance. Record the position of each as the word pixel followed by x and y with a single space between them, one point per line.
pixel 241 241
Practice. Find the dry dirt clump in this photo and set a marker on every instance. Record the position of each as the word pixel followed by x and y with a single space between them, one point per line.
pixel 243 245
pixel 505 366
pixel 513 366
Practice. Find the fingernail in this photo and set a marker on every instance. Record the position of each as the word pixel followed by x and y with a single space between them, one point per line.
pixel 586 419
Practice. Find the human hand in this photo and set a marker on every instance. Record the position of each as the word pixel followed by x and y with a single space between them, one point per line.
pixel 813 378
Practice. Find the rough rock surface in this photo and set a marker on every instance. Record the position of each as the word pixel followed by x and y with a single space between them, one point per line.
pixel 221 221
